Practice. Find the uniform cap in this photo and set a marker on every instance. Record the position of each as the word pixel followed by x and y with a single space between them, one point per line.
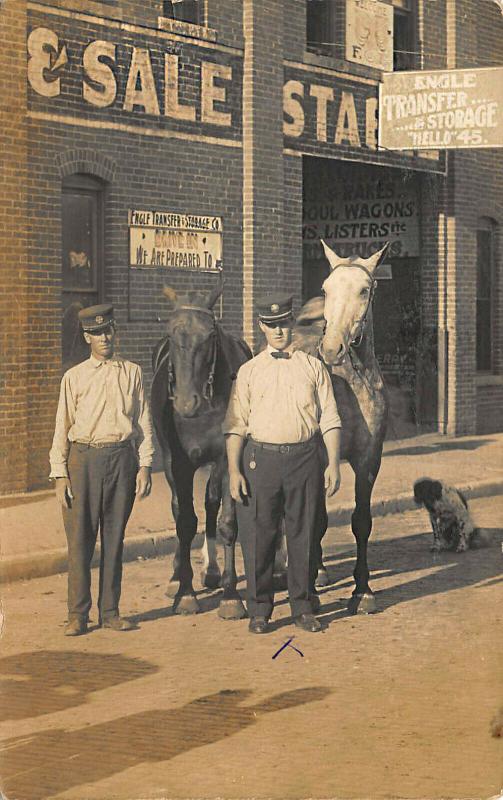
pixel 96 318
pixel 275 308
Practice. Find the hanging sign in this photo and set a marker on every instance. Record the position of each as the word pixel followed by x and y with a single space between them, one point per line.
pixel 174 241
pixel 369 33
pixel 441 110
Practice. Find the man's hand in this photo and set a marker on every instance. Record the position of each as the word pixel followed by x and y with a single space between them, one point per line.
pixel 332 479
pixel 237 486
pixel 143 482
pixel 64 492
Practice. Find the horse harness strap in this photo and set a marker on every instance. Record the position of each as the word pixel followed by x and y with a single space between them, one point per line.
pixel 209 384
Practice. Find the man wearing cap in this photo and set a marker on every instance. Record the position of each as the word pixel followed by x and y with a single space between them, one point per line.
pixel 101 457
pixel 281 402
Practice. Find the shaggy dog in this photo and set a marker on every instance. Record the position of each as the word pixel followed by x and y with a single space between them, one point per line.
pixel 452 525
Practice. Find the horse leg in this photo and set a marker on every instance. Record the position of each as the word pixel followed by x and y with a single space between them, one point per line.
pixel 280 580
pixel 186 528
pixel 231 606
pixel 174 581
pixel 363 599
pixel 322 578
pixel 210 574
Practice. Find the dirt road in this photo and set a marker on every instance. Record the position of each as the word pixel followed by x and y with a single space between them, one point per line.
pixel 397 704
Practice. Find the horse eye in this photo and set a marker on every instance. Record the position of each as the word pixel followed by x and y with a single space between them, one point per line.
pixel 364 292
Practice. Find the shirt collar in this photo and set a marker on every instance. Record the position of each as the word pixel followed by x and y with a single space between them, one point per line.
pixel 95 362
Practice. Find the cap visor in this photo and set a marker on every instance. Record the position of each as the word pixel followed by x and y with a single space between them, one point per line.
pixel 276 317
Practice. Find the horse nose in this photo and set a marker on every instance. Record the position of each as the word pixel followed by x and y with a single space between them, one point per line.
pixel 187 406
pixel 333 355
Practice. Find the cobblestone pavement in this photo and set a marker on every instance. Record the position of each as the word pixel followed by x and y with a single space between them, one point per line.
pixel 397 704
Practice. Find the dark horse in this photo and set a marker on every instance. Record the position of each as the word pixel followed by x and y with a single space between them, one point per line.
pixel 194 366
pixel 339 328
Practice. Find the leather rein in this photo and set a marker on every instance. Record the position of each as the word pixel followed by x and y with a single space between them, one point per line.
pixel 208 388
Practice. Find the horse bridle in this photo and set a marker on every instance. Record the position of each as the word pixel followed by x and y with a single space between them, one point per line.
pixel 209 383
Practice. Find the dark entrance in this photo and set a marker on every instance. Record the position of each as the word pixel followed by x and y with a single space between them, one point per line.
pixel 356 208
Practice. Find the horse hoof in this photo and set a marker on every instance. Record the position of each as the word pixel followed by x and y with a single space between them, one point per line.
pixel 186 604
pixel 211 578
pixel 231 609
pixel 362 604
pixel 280 581
pixel 172 589
pixel 322 578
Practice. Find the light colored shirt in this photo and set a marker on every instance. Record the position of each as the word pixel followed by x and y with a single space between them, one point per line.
pixel 101 402
pixel 281 401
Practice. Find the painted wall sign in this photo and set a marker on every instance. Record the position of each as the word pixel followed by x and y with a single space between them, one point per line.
pixel 442 109
pixel 181 86
pixel 174 241
pixel 369 33
pixel 357 212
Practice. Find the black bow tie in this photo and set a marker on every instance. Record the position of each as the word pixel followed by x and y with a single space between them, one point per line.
pixel 279 354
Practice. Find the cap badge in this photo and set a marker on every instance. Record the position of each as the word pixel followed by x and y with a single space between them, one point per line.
pixel 99 320
pixel 275 308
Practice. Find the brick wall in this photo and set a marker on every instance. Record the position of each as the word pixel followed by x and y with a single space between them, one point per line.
pixel 263 176
pixel 15 328
pixel 140 166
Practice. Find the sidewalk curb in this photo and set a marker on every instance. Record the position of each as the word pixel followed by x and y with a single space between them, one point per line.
pixel 43 564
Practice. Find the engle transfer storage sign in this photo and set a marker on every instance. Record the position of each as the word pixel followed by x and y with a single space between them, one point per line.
pixel 442 109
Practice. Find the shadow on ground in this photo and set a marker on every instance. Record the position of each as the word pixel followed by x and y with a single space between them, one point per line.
pixel 48 763
pixel 425 449
pixel 42 682
pixel 409 555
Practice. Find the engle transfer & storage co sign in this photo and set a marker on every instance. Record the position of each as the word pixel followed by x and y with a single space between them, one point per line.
pixel 444 109
pixel 174 241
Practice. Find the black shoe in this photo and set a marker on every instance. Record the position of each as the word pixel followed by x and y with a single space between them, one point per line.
pixel 117 623
pixel 75 627
pixel 308 622
pixel 258 625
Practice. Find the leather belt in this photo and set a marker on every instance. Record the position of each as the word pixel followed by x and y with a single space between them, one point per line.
pixel 282 448
pixel 100 445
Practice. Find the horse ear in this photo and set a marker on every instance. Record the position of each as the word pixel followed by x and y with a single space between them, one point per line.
pixel 217 291
pixel 333 259
pixel 375 259
pixel 170 295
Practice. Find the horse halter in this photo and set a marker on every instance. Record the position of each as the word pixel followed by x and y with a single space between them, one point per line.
pixel 209 383
pixel 363 319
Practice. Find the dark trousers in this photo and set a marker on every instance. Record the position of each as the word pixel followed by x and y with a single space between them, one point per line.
pixel 103 484
pixel 289 484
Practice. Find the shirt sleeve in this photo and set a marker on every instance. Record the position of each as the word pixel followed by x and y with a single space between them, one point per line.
pixel 238 409
pixel 65 417
pixel 329 414
pixel 143 424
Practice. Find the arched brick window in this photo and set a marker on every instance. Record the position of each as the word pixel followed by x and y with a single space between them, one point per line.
pixel 82 227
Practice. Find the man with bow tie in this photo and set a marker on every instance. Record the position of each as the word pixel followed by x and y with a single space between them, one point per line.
pixel 282 401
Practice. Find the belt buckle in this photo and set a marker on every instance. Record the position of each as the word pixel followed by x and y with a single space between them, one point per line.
pixel 284 448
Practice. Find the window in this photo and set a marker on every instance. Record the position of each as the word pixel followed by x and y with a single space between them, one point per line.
pixel 320 22
pixel 404 35
pixel 82 259
pixel 184 10
pixel 485 292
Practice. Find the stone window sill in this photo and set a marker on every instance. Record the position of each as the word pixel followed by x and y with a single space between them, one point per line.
pixel 489 380
pixel 339 65
pixel 186 29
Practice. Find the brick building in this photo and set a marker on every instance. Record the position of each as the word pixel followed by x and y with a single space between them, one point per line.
pixel 244 129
